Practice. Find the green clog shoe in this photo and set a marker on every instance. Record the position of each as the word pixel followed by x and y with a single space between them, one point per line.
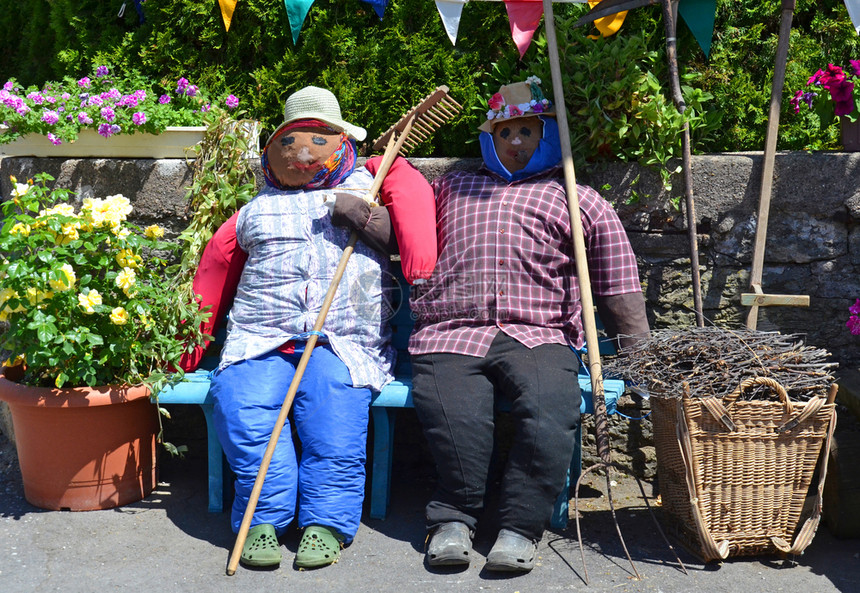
pixel 261 547
pixel 320 546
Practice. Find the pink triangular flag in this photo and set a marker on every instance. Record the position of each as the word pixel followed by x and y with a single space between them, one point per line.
pixel 524 16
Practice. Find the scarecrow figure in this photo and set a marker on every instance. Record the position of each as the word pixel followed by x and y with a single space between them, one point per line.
pixel 270 266
pixel 500 318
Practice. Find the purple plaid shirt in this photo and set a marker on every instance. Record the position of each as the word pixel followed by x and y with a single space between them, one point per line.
pixel 506 263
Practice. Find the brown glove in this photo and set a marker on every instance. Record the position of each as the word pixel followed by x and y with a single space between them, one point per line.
pixel 372 223
pixel 624 318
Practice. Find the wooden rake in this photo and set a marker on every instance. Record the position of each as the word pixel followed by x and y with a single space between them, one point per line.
pixel 414 127
pixel 589 323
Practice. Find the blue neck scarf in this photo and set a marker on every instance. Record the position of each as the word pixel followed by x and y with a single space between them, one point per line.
pixel 546 156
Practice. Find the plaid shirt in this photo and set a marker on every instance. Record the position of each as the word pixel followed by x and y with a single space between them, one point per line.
pixel 506 263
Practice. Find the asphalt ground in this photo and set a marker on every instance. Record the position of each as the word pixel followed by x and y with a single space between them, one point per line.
pixel 169 543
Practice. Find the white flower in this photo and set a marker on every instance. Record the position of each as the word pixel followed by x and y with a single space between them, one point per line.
pixel 20 190
pixel 533 80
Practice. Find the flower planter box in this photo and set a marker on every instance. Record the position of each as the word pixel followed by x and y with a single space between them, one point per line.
pixel 175 142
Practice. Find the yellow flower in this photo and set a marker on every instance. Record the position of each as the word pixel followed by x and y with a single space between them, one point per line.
pixel 20 229
pixel 66 283
pixel 128 259
pixel 36 296
pixel 20 188
pixel 120 231
pixel 70 232
pixel 126 279
pixel 95 208
pixel 154 231
pixel 89 301
pixel 116 209
pixel 5 310
pixel 60 209
pixel 119 316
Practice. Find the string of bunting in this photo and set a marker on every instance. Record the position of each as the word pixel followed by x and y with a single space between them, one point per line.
pixel 525 16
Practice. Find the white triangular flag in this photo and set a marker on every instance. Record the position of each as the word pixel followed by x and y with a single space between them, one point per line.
pixel 853 7
pixel 450 11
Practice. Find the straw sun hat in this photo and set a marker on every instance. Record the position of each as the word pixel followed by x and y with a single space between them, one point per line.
pixel 315 103
pixel 516 100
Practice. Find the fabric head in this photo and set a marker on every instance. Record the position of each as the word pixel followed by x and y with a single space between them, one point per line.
pixel 320 104
pixel 307 154
pixel 546 155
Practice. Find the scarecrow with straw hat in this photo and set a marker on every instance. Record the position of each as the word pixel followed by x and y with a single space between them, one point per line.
pixel 500 318
pixel 270 266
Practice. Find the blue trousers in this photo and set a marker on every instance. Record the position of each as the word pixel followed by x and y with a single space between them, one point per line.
pixel 326 481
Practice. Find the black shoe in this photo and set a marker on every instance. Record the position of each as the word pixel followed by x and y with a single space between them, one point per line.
pixel 450 545
pixel 512 552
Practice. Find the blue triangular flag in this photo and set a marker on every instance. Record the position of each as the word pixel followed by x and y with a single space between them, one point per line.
pixel 297 10
pixel 379 6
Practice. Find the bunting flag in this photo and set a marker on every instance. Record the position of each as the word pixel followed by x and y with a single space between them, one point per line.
pixel 699 16
pixel 853 7
pixel 378 6
pixel 297 10
pixel 450 12
pixel 608 25
pixel 227 8
pixel 524 16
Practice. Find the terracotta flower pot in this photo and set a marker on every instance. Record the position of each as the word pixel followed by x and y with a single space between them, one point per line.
pixel 84 448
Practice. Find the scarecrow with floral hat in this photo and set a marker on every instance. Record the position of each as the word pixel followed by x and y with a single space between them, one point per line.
pixel 500 319
pixel 270 266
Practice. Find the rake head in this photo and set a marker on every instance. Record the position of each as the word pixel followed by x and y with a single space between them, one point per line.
pixel 429 115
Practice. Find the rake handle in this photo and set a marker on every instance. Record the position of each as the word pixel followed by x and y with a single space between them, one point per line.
pixel 388 158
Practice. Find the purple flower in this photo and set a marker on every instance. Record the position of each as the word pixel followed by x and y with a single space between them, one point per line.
pixel 181 85
pixel 111 94
pixel 95 100
pixel 128 101
pixel 855 308
pixel 853 325
pixel 164 99
pixel 54 140
pixel 795 101
pixel 36 98
pixel 22 110
pixel 140 95
pixel 205 108
pixel 232 101
pixel 84 83
pixel 9 86
pixel 108 130
pixel 102 71
pixel 191 90
pixel 108 114
pixel 139 118
pixel 84 118
pixel 50 117
pixel 65 96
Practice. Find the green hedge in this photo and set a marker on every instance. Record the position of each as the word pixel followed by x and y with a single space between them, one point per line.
pixel 379 68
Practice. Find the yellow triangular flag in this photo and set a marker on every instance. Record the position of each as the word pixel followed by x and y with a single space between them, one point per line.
pixel 227 8
pixel 608 25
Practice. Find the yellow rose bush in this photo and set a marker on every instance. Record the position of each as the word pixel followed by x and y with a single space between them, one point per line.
pixel 86 296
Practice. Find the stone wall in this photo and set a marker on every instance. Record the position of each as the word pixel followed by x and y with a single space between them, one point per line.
pixel 813 245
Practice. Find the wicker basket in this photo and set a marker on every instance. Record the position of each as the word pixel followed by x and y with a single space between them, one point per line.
pixel 734 475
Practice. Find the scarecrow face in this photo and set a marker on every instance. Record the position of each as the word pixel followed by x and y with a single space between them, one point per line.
pixel 516 141
pixel 296 156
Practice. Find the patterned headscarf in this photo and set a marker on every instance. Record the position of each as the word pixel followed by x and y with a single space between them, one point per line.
pixel 337 167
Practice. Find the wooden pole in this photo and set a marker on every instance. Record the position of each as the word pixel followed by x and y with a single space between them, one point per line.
pixel 588 321
pixel 758 298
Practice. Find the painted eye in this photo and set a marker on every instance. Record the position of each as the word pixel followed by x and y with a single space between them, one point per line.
pixel 525 132
pixel 287 140
pixel 505 133
pixel 319 141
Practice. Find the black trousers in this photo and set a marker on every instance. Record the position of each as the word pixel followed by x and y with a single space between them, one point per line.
pixel 455 398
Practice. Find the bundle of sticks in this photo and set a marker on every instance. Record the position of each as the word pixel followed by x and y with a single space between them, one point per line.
pixel 712 361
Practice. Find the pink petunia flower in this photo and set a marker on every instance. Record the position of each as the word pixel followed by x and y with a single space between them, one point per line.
pixel 139 118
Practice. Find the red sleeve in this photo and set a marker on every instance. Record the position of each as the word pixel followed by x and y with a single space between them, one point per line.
pixel 412 207
pixel 216 281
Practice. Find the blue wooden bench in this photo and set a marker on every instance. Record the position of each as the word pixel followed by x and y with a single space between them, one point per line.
pixel 384 405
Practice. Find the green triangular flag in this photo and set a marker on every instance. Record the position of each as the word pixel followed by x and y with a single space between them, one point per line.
pixel 699 16
pixel 297 10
